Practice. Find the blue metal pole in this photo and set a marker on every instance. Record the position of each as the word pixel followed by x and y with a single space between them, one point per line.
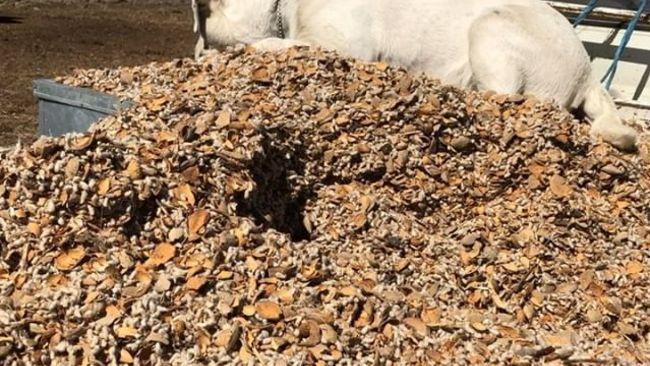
pixel 585 12
pixel 609 76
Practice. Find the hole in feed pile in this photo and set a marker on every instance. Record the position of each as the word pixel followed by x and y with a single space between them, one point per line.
pixel 276 202
pixel 142 213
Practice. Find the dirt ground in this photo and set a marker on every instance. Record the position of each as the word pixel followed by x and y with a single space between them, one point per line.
pixel 49 40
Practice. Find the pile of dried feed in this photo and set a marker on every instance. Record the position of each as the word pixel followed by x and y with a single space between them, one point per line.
pixel 303 208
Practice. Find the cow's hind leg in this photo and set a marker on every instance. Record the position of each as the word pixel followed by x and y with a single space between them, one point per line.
pixel 509 54
pixel 493 60
pixel 517 49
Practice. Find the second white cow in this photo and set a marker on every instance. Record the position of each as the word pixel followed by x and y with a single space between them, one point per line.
pixel 509 46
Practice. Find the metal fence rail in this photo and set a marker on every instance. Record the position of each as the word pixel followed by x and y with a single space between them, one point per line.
pixel 607 14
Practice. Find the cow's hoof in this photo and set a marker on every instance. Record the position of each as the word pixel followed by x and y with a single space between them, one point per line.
pixel 617 134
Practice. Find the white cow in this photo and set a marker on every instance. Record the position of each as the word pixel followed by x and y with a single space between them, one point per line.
pixel 509 46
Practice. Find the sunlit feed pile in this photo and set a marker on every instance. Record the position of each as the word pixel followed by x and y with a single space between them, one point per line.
pixel 303 208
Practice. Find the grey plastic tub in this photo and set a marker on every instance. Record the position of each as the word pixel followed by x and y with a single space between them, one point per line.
pixel 64 109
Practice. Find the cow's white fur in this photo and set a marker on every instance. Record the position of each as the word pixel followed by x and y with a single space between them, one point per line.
pixel 509 46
